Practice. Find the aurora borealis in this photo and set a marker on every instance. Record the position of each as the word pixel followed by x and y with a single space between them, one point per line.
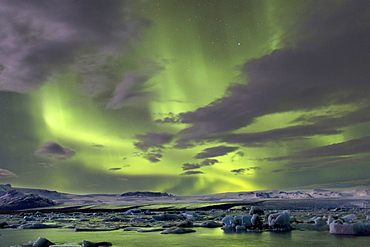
pixel 184 96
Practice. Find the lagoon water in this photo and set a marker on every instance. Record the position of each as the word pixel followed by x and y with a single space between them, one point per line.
pixel 203 237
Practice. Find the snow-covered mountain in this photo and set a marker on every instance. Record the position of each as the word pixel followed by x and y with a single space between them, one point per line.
pixel 12 198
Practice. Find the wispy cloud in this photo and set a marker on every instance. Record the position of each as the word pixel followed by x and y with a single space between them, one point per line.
pixel 7 174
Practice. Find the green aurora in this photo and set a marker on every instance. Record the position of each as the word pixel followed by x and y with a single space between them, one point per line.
pixel 183 96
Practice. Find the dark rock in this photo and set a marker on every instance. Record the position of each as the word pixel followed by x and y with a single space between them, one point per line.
pixel 185 224
pixel 177 230
pixel 95 229
pixel 150 229
pixel 134 211
pixel 12 226
pixel 163 217
pixel 113 219
pixel 29 218
pixel 3 224
pixel 210 224
pixel 37 226
pixel 99 244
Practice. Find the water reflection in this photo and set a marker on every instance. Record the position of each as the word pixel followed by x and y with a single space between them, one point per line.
pixel 203 237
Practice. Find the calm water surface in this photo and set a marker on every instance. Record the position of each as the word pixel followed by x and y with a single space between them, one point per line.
pixel 203 237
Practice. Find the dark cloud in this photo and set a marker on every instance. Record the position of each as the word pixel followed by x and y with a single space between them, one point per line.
pixel 54 150
pixel 336 120
pixel 276 135
pixel 313 125
pixel 192 173
pixel 152 140
pixel 215 151
pixel 239 171
pixel 351 147
pixel 209 162
pixel 170 118
pixel 41 37
pixel 188 166
pixel 327 163
pixel 153 157
pixel 329 66
pixel 114 169
pixel 206 162
pixel 151 144
pixel 7 174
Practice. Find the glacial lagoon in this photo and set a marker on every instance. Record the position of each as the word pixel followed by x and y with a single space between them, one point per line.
pixel 202 237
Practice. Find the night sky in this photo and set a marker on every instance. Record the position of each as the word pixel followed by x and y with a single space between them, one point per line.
pixel 189 97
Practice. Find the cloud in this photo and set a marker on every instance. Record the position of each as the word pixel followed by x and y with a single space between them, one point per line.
pixel 43 37
pixel 342 184
pixel 7 174
pixel 153 140
pixel 238 171
pixel 153 157
pixel 188 166
pixel 151 145
pixel 327 67
pixel 209 162
pixel 312 125
pixel 215 151
pixel 327 163
pixel 259 139
pixel 351 147
pixel 192 173
pixel 131 88
pixel 54 150
pixel 241 171
pixel 206 162
pixel 114 169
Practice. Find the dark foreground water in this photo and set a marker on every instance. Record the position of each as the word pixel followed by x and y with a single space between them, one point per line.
pixel 203 237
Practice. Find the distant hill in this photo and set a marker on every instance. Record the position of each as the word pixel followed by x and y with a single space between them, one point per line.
pixel 54 195
pixel 15 200
pixel 12 198
pixel 145 194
